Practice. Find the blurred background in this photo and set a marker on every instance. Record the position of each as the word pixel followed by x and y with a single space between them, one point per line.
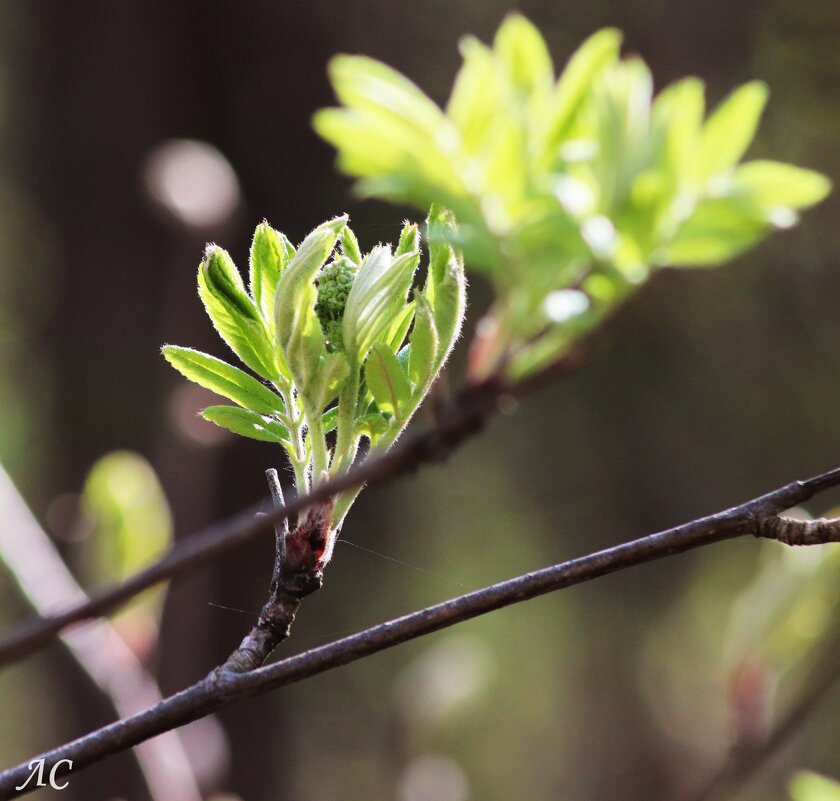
pixel 133 133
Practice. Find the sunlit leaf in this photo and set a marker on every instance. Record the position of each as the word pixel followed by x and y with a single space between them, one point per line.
pixel 378 294
pixel 525 55
pixel 772 184
pixel 233 313
pixel 731 127
pixel 247 423
pixel 386 380
pixel 808 786
pixel 270 253
pixel 424 345
pixel 717 231
pixel 223 379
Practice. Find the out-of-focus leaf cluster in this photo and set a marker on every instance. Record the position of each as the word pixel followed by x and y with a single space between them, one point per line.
pixel 126 525
pixel 808 786
pixel 335 337
pixel 580 185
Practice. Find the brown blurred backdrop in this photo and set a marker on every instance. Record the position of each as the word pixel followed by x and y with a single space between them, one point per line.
pixel 715 386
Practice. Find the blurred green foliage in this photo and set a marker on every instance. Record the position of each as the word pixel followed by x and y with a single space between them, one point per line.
pixel 126 523
pixel 808 786
pixel 568 191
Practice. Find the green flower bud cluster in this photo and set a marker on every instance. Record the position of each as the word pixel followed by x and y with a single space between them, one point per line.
pixel 334 284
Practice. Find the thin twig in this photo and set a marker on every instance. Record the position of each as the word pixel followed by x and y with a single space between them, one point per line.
pixel 463 419
pixel 45 581
pixel 299 558
pixel 281 527
pixel 221 688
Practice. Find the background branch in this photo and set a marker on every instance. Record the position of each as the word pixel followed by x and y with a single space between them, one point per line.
pixel 45 581
pixel 222 688
pixel 459 421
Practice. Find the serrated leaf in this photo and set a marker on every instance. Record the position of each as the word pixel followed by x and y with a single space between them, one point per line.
pixel 772 184
pixel 409 240
pixel 233 313
pixel 223 379
pixel 270 253
pixel 730 128
pixel 247 424
pixel 386 380
pixel 422 361
pixel 350 245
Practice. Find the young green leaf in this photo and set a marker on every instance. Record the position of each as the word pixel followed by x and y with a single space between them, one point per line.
pixel 808 786
pixel 378 294
pixel 329 420
pixel 394 337
pixel 446 284
pixel 299 333
pixel 597 53
pixel 409 239
pixel 350 245
pixel 386 380
pixel 717 231
pixel 422 361
pixel 373 425
pixel 730 128
pixel 327 381
pixel 247 424
pixel 364 83
pixel 223 379
pixel 475 95
pixel 233 313
pixel 772 184
pixel 270 253
pixel 523 51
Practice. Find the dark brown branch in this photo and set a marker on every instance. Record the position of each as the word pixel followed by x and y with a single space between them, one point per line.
pixel 298 572
pixel 222 688
pixel 457 423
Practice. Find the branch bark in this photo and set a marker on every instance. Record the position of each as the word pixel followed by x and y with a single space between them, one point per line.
pixel 299 558
pixel 222 688
pixel 458 422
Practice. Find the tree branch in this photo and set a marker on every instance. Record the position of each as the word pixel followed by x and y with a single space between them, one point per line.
pixel 222 688
pixel 461 420
pixel 45 581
